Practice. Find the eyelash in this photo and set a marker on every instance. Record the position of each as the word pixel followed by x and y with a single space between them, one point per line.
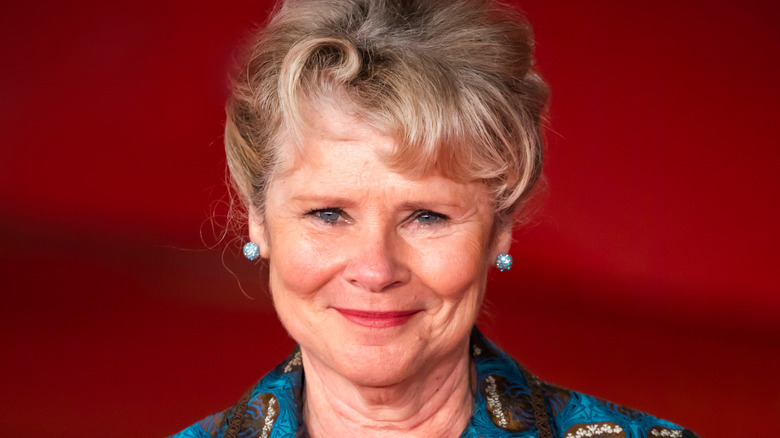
pixel 420 213
pixel 314 213
pixel 414 216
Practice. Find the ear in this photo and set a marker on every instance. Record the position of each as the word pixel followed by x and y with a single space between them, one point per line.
pixel 502 240
pixel 258 233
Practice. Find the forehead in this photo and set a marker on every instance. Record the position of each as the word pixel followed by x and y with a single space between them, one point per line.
pixel 338 154
pixel 329 122
pixel 320 134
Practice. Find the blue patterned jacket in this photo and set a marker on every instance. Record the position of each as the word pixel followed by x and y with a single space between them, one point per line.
pixel 509 403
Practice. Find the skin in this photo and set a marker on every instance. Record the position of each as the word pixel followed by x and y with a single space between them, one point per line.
pixel 344 234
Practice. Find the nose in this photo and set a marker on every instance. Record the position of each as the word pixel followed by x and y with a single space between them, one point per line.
pixel 377 262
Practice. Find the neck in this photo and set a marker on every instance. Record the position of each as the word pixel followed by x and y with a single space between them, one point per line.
pixel 435 402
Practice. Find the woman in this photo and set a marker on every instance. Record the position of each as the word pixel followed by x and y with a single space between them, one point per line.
pixel 383 150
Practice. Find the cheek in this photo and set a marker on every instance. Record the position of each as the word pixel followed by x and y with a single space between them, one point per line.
pixel 299 270
pixel 456 270
pixel 300 265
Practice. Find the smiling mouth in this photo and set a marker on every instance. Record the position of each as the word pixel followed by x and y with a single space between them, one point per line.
pixel 377 319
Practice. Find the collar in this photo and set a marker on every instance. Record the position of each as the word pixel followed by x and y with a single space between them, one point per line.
pixel 502 402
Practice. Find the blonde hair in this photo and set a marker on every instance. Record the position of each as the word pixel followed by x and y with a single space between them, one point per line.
pixel 452 80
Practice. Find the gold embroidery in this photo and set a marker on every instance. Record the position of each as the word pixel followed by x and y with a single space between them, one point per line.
pixel 509 409
pixel 597 430
pixel 494 402
pixel 296 361
pixel 268 421
pixel 664 432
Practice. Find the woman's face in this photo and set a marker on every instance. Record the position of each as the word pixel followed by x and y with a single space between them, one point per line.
pixel 377 275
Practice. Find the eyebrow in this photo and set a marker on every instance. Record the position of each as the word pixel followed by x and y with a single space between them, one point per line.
pixel 324 199
pixel 340 201
pixel 431 205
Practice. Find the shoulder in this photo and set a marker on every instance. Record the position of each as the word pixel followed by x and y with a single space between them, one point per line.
pixel 574 415
pixel 257 410
pixel 212 426
pixel 273 404
pixel 516 403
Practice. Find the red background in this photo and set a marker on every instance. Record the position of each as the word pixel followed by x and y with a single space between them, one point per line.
pixel 650 276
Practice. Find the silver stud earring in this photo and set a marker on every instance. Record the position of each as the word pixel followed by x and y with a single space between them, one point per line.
pixel 504 262
pixel 251 251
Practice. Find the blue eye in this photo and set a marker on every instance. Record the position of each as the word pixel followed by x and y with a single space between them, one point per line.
pixel 429 217
pixel 327 215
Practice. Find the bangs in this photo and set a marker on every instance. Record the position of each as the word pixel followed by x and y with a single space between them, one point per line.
pixel 451 81
pixel 461 126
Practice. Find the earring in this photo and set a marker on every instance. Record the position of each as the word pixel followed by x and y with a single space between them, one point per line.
pixel 251 251
pixel 504 262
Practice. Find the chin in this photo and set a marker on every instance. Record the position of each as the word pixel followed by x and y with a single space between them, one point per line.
pixel 377 361
pixel 382 368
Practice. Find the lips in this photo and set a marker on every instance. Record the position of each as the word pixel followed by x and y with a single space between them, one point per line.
pixel 377 319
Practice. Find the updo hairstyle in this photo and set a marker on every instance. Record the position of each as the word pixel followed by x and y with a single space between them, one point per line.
pixel 452 81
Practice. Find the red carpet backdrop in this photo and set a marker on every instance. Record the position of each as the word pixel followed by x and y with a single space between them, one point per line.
pixel 649 276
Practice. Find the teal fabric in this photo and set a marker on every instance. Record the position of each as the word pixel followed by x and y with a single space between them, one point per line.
pixel 502 406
